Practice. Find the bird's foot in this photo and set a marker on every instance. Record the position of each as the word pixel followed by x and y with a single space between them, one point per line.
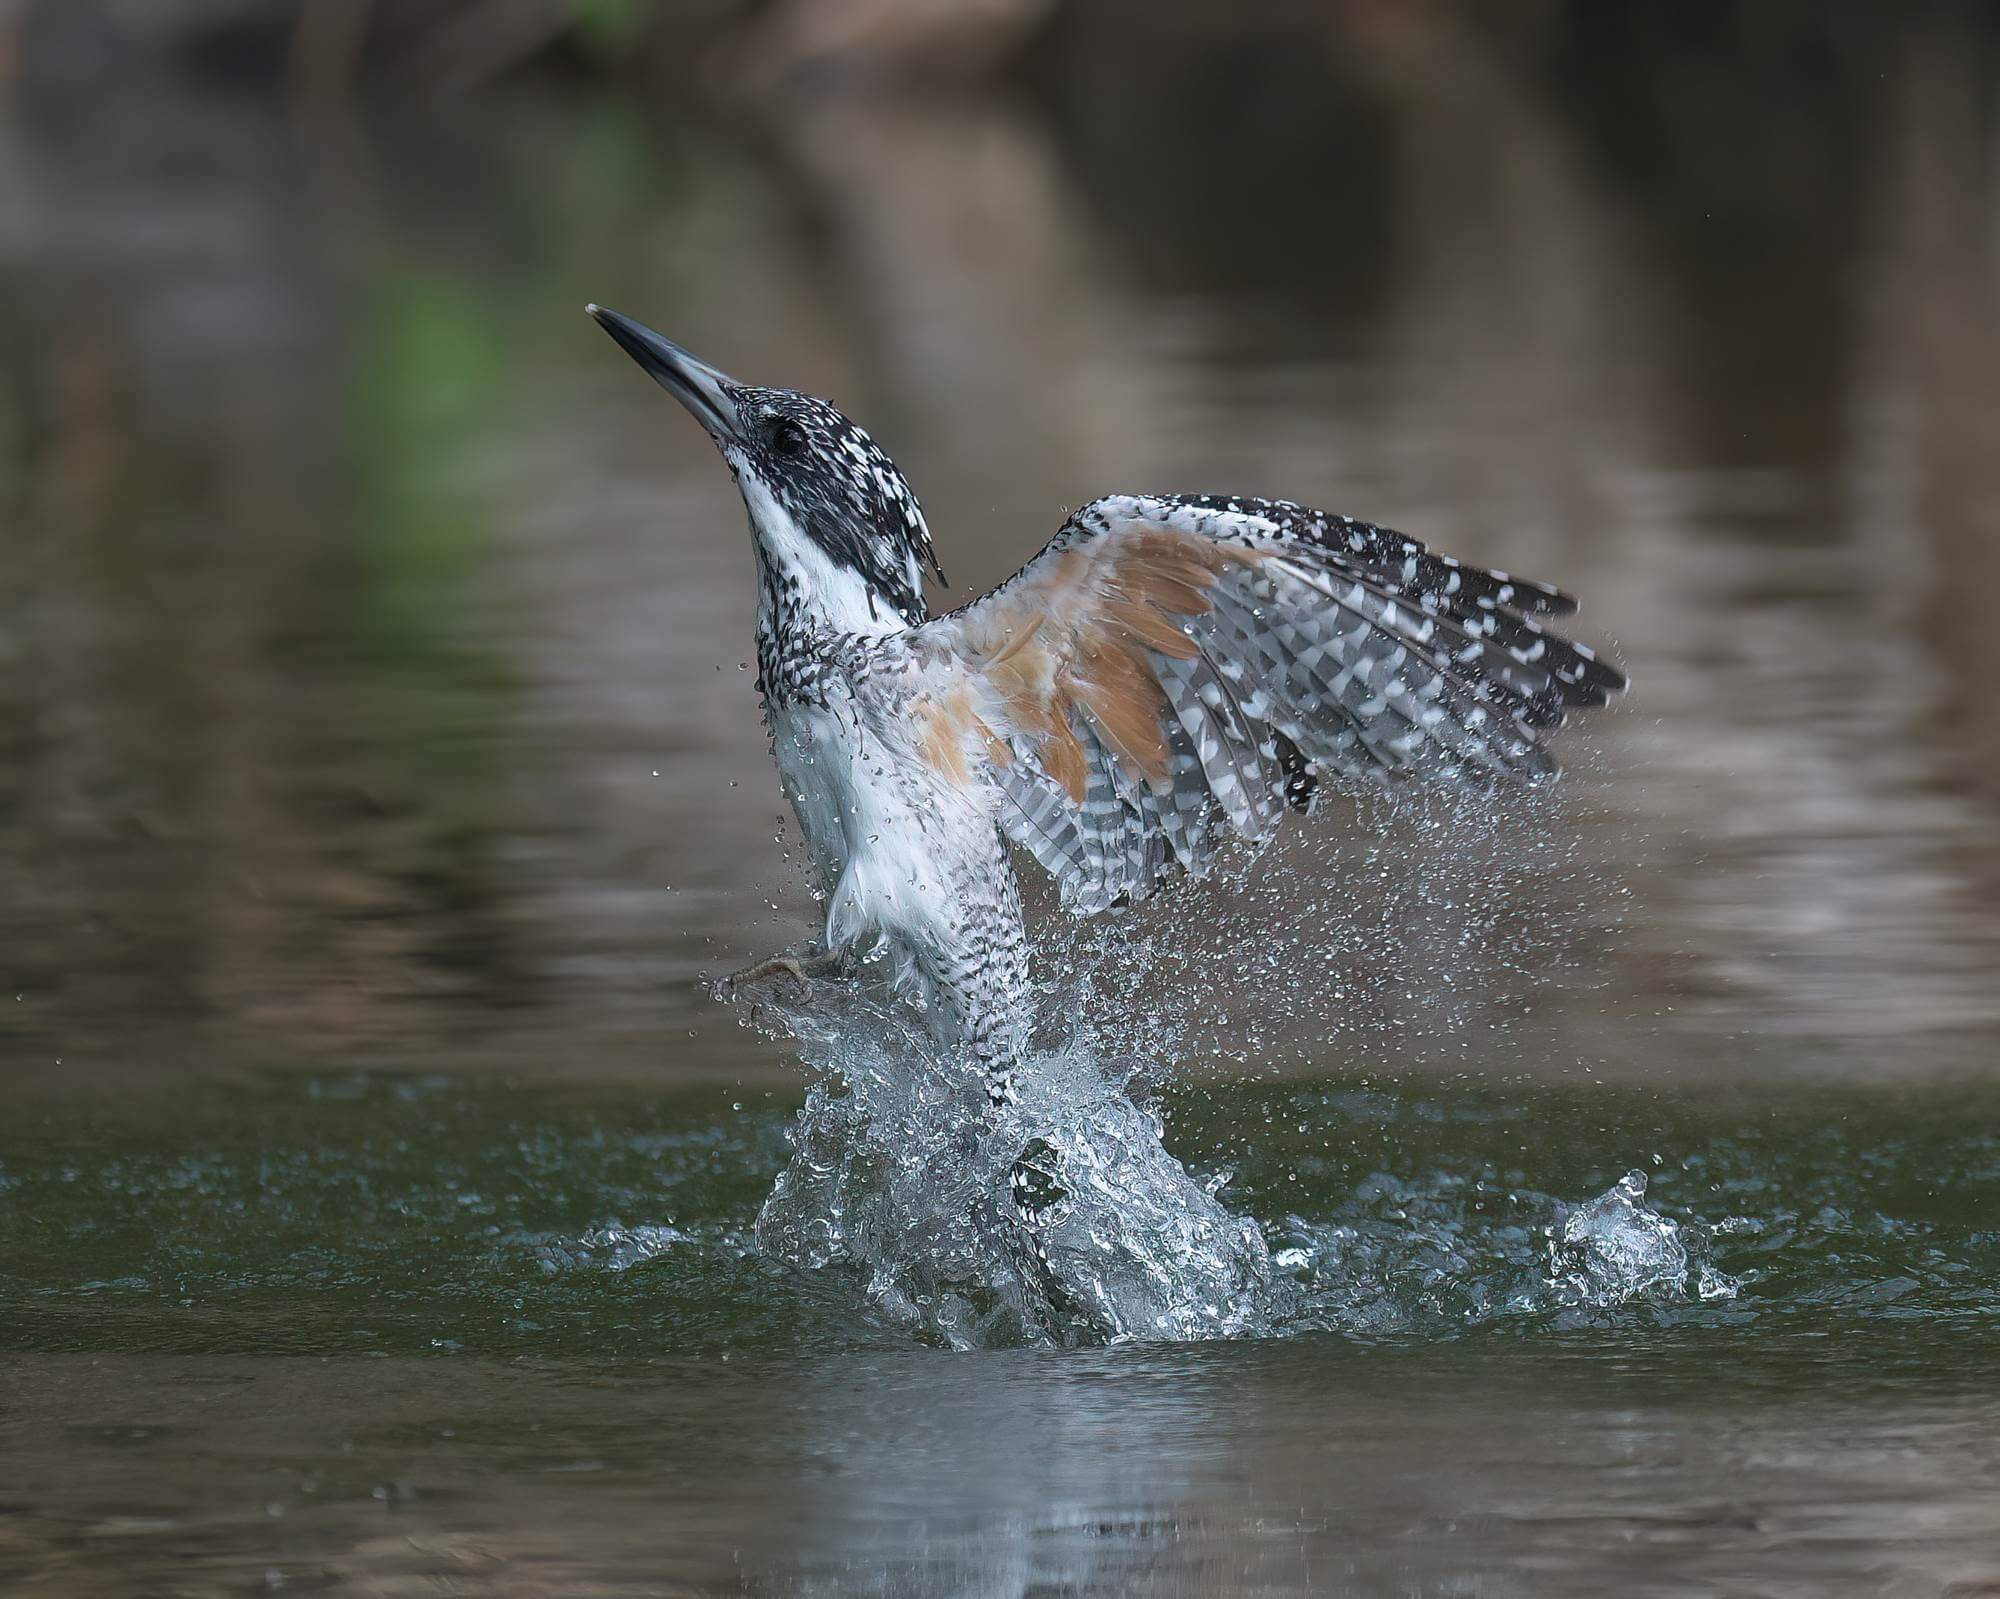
pixel 759 978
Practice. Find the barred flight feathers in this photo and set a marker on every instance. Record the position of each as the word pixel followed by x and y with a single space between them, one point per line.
pixel 1174 670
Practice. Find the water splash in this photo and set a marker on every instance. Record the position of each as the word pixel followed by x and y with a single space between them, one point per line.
pixel 1428 1257
pixel 610 1247
pixel 1404 921
pixel 1617 1248
pixel 905 1177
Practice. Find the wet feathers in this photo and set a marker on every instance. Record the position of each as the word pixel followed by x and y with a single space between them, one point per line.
pixel 1172 671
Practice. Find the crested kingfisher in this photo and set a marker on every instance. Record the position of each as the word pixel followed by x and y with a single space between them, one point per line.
pixel 1171 672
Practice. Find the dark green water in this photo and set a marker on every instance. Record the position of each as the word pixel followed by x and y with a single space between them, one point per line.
pixel 356 1331
pixel 399 1216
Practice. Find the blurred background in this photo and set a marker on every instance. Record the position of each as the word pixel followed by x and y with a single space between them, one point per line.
pixel 372 637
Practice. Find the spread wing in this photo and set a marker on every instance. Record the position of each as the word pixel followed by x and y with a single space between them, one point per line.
pixel 1171 671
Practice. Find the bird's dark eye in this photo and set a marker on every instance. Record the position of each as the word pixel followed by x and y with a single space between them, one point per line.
pixel 787 437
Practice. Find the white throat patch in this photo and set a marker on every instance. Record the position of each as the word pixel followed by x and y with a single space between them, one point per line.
pixel 837 594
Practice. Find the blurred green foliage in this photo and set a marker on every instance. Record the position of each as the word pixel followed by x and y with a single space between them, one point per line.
pixel 612 28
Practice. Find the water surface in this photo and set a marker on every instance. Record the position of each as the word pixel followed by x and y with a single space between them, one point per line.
pixel 363 1330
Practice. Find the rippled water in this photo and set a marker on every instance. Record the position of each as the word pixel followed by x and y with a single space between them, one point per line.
pixel 401 1214
pixel 356 1330
pixel 1594 1195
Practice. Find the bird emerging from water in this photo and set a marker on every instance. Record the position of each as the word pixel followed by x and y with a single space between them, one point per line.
pixel 1169 673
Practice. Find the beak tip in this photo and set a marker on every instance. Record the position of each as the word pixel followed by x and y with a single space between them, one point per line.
pixel 698 386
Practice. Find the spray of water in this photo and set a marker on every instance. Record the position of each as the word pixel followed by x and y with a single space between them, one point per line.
pixel 904 1175
pixel 1064 1218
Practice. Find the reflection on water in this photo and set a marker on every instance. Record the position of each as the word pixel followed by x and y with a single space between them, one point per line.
pixel 372 693
pixel 914 1475
pixel 357 598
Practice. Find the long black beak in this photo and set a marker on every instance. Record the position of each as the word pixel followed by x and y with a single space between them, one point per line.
pixel 696 384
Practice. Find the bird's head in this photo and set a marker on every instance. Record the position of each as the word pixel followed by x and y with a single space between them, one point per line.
pixel 834 520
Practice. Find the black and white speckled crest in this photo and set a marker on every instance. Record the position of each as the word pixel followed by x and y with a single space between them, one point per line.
pixel 842 489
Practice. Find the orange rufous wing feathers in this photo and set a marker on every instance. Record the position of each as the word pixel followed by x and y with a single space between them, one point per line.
pixel 1173 671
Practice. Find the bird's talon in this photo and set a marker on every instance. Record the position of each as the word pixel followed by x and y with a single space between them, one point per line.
pixel 737 985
